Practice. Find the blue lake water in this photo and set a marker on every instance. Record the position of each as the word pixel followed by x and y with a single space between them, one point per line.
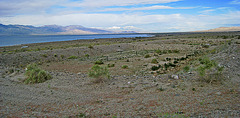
pixel 10 40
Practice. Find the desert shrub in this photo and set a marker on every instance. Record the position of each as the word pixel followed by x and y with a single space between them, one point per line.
pixel 124 66
pixel 175 51
pixel 225 37
pixel 158 51
pixel 186 68
pixel 168 59
pixel 99 62
pixel 36 75
pixel 72 57
pixel 111 65
pixel 172 65
pixel 147 56
pixel 99 73
pixel 154 68
pixel 55 55
pixel 206 46
pixel 44 55
pixel 86 55
pixel 166 66
pixel 154 61
pixel 175 62
pixel 165 52
pixel 90 47
pixel 209 71
pixel 62 56
pixel 182 58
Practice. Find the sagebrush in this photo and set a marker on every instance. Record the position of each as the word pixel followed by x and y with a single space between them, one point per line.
pixel 36 75
pixel 99 73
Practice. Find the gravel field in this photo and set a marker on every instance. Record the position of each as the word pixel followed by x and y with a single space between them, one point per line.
pixel 128 92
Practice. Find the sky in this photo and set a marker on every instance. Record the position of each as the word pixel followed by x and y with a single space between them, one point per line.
pixel 129 15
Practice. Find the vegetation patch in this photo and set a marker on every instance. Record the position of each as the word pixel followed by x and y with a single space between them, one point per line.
pixel 72 57
pixel 147 56
pixel 111 65
pixel 124 66
pixel 99 62
pixel 99 73
pixel 154 61
pixel 36 75
pixel 209 71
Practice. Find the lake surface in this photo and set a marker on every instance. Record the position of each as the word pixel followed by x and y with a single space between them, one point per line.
pixel 10 40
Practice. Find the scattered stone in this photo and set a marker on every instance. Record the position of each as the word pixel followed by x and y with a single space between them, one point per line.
pixel 218 93
pixel 174 76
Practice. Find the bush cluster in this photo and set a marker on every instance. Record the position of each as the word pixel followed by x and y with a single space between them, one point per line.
pixel 72 57
pixel 99 62
pixel 124 66
pixel 99 73
pixel 36 75
pixel 209 70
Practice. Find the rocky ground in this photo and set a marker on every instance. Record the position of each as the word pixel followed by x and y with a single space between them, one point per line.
pixel 136 91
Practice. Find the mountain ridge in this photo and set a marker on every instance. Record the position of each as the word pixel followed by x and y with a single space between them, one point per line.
pixel 222 29
pixel 52 30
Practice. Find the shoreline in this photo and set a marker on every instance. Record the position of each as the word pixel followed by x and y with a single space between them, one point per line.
pixel 59 38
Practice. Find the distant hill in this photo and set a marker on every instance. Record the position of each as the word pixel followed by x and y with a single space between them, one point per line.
pixel 221 29
pixel 52 30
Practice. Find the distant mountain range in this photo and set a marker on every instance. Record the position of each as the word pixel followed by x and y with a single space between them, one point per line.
pixel 221 29
pixel 52 30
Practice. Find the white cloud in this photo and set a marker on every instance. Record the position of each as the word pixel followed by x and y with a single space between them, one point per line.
pixel 146 22
pixel 13 7
pixel 103 3
pixel 114 28
pixel 145 8
pixel 235 2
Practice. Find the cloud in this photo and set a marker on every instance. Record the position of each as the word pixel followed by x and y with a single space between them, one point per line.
pixel 104 3
pixel 146 22
pixel 235 2
pixel 15 7
pixel 155 7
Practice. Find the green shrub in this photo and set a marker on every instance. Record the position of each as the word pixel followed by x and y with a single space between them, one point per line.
pixel 90 46
pixel 154 61
pixel 99 73
pixel 154 68
pixel 175 51
pixel 186 68
pixel 124 66
pixel 168 59
pixel 201 71
pixel 147 56
pixel 111 65
pixel 166 66
pixel 175 62
pixel 206 46
pixel 36 75
pixel 182 58
pixel 158 51
pixel 87 55
pixel 209 71
pixel 72 57
pixel 44 55
pixel 172 65
pixel 99 62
